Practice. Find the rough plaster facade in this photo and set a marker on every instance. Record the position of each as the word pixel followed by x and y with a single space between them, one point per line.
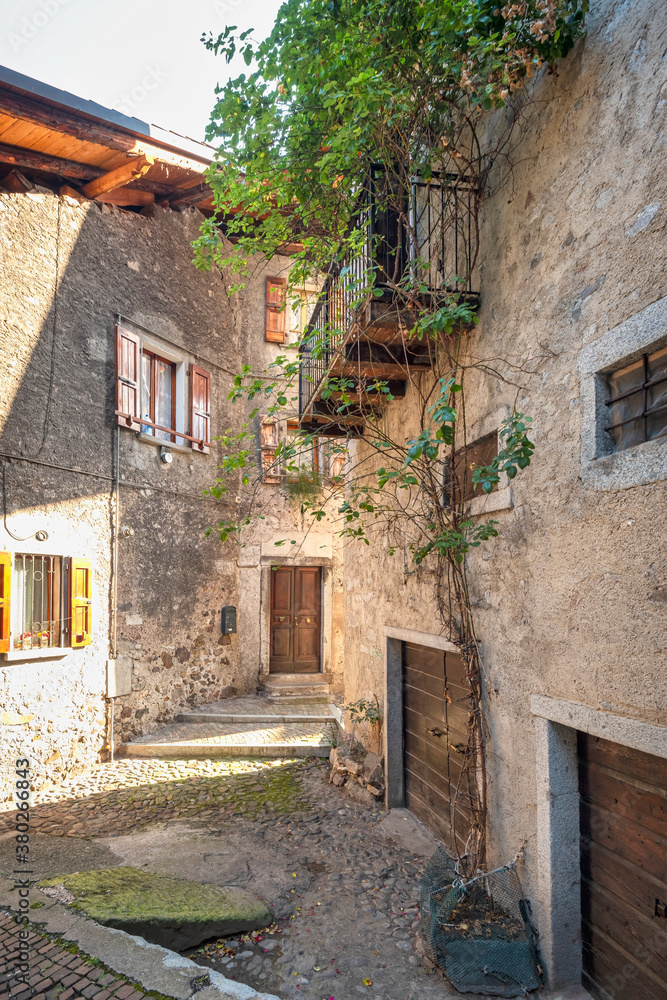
pixel 570 598
pixel 68 270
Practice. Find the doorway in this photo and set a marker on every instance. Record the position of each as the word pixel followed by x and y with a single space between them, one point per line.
pixel 296 619
pixel 436 708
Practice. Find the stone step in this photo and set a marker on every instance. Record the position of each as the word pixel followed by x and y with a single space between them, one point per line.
pixel 283 717
pixel 183 740
pixel 296 686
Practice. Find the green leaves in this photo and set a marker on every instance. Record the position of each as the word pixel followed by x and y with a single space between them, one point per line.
pixel 339 85
pixel 515 455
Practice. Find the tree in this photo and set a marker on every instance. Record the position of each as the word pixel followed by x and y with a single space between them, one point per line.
pixel 359 123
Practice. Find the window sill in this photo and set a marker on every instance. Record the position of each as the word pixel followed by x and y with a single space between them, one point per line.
pixel 52 653
pixel 158 443
pixel 490 503
pixel 637 466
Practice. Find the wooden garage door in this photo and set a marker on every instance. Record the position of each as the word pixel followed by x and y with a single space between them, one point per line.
pixel 624 871
pixel 435 722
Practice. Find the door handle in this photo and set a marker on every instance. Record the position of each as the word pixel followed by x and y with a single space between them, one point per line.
pixel 435 732
pixel 281 618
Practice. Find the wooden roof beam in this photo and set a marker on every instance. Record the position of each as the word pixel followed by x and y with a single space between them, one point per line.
pixel 183 198
pixel 89 130
pixel 119 177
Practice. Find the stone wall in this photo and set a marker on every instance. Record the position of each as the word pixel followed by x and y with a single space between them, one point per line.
pixel 570 599
pixel 68 269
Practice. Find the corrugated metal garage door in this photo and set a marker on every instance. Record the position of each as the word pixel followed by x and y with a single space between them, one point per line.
pixel 624 871
pixel 435 723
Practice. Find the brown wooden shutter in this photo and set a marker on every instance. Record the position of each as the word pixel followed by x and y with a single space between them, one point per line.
pixel 268 443
pixel 128 378
pixel 5 594
pixel 200 408
pixel 81 593
pixel 275 310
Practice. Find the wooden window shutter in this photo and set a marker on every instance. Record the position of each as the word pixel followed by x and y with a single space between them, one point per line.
pixel 268 443
pixel 128 378
pixel 200 408
pixel 81 594
pixel 5 594
pixel 275 310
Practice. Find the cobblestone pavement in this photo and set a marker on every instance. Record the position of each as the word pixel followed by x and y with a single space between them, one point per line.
pixel 56 972
pixel 185 734
pixel 345 898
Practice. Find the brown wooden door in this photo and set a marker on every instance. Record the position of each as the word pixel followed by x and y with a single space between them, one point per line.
pixel 623 815
pixel 295 619
pixel 435 723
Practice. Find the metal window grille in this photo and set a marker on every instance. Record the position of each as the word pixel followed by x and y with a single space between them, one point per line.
pixel 37 607
pixel 638 401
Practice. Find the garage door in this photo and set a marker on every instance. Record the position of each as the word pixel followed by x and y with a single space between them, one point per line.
pixel 435 723
pixel 624 871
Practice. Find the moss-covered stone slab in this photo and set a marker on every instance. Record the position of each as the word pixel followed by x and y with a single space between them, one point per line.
pixel 174 913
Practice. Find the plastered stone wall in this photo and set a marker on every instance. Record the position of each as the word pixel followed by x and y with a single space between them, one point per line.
pixel 277 513
pixel 67 270
pixel 570 599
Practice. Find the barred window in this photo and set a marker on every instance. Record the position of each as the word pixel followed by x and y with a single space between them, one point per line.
pixel 638 401
pixel 37 601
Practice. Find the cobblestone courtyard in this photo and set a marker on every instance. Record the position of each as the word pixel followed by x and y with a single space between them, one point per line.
pixel 344 891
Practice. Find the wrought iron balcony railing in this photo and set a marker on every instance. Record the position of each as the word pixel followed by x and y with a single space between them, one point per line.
pixel 415 245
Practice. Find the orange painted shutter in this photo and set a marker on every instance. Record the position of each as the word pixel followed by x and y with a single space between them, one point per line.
pixel 5 593
pixel 128 378
pixel 200 408
pixel 268 443
pixel 275 310
pixel 81 592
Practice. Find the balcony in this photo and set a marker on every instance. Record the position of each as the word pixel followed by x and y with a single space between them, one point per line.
pixel 417 249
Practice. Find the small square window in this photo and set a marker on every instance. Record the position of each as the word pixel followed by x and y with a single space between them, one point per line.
pixel 459 486
pixel 637 401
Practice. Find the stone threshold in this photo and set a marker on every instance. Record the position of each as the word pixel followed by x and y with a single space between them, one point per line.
pixel 156 968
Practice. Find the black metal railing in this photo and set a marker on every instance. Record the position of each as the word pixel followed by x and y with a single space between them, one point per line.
pixel 418 241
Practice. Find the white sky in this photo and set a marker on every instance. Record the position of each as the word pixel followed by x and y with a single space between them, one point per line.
pixel 141 57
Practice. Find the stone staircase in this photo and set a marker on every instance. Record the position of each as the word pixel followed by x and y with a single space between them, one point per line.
pixel 288 724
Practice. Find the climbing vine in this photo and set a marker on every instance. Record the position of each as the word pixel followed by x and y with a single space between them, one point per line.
pixel 352 115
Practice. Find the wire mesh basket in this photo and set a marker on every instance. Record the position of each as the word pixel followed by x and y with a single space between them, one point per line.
pixel 479 931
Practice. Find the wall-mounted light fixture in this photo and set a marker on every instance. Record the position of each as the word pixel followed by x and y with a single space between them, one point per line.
pixel 166 456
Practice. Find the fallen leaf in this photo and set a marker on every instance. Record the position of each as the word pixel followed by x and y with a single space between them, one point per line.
pixel 317 968
pixel 368 982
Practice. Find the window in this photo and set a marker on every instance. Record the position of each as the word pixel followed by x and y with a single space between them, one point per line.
pixel 45 602
pixel 637 401
pixel 274 328
pixel 460 487
pixel 305 463
pixel 321 458
pixel 159 394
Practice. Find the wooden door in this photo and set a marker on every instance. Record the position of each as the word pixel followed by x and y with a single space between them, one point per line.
pixel 623 815
pixel 435 723
pixel 295 619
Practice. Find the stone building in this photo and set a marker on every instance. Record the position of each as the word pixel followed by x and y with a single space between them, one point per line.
pixel 117 358
pixel 569 600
